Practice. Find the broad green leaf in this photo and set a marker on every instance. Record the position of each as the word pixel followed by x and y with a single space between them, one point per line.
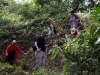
pixel 96 13
pixel 56 53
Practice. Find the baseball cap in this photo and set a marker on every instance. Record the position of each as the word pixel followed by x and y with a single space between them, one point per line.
pixel 45 33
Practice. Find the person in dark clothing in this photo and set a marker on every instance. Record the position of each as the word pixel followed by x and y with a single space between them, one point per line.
pixel 11 57
pixel 40 45
pixel 11 52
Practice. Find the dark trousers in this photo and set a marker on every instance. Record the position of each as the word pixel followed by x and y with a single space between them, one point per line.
pixel 10 59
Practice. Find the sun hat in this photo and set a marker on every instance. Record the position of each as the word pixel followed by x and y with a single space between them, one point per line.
pixel 14 41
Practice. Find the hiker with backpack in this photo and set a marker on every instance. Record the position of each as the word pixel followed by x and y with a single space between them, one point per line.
pixel 75 20
pixel 39 48
pixel 51 28
pixel 11 52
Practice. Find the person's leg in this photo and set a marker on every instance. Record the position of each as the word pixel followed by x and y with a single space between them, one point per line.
pixel 38 59
pixel 43 60
pixel 10 59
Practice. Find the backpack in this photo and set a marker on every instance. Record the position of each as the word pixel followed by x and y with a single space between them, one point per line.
pixel 76 17
pixel 33 46
pixel 80 26
pixel 55 30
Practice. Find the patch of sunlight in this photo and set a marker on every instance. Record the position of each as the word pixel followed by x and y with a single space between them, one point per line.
pixel 97 41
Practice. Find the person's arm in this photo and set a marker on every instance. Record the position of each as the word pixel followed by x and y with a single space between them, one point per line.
pixel 36 45
pixel 19 50
pixel 47 45
pixel 70 19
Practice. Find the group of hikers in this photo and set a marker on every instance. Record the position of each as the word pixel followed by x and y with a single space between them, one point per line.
pixel 39 45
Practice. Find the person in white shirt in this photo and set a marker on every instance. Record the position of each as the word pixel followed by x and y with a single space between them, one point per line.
pixel 50 28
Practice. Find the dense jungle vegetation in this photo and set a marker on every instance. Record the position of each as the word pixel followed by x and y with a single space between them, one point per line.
pixel 26 20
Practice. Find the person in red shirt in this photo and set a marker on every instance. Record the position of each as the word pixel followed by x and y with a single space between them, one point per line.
pixel 11 52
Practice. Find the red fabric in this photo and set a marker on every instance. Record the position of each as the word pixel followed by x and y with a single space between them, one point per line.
pixel 9 49
pixel 76 34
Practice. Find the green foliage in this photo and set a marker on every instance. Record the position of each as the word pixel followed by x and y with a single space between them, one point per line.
pixel 66 68
pixel 25 21
pixel 45 72
pixel 75 4
pixel 96 13
pixel 84 52
pixel 56 52
pixel 26 11
pixel 42 2
pixel 10 70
